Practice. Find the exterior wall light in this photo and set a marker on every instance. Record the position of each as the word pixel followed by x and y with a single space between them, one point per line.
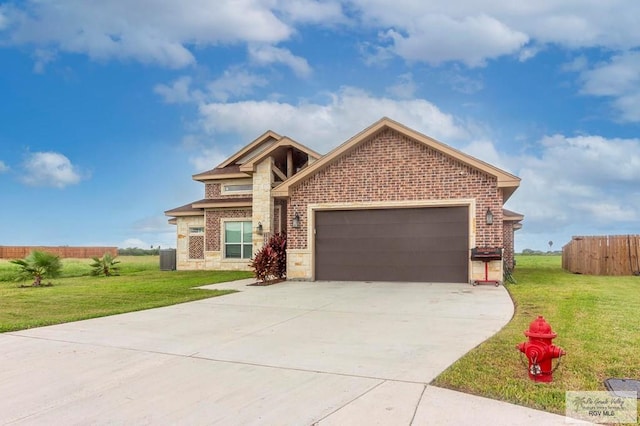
pixel 295 223
pixel 259 228
pixel 489 216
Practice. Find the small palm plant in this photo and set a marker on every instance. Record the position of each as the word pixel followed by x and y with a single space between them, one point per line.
pixel 105 265
pixel 38 265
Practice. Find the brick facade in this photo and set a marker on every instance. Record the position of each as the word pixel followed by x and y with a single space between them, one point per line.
pixel 392 167
pixel 212 224
pixel 196 247
pixel 211 190
pixel 508 244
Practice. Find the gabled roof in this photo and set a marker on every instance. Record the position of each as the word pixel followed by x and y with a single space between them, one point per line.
pixel 264 139
pixel 506 181
pixel 243 162
pixel 285 141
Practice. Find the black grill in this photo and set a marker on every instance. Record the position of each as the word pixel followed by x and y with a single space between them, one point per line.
pixel 486 254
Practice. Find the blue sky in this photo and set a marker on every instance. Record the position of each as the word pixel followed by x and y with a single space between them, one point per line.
pixel 107 108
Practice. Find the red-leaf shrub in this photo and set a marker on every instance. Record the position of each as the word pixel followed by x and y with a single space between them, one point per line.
pixel 270 262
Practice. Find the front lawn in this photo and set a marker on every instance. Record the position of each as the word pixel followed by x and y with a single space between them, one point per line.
pixel 77 295
pixel 598 324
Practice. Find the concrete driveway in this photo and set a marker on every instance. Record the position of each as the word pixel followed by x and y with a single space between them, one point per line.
pixel 294 353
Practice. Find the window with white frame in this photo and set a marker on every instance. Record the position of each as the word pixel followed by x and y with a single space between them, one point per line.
pixel 237 186
pixel 237 240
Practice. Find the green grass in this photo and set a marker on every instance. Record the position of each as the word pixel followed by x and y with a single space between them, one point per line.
pixel 598 324
pixel 77 295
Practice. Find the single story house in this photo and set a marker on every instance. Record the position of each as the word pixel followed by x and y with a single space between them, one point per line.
pixel 389 204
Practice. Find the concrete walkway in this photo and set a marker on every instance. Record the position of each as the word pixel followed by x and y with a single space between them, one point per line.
pixel 295 353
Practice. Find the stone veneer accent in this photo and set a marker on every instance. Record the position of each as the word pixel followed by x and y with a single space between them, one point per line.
pixel 279 216
pixel 183 245
pixel 392 167
pixel 262 204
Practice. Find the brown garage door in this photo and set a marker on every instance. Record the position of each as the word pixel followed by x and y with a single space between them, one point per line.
pixel 411 245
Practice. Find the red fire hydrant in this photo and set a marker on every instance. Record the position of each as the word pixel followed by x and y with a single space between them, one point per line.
pixel 540 351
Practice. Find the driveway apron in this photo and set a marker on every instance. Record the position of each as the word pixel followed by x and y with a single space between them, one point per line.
pixel 295 353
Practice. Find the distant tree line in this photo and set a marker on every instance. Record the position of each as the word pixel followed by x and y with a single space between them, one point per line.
pixel 136 251
pixel 531 252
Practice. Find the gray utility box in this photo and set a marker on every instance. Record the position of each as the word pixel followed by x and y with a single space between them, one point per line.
pixel 168 260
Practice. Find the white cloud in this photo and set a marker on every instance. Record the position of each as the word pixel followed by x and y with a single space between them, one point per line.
pixel 465 84
pixel 266 55
pixel 619 79
pixel 528 52
pixel 311 11
pixel 4 21
pixel 609 211
pixel 42 58
pixel 324 126
pixel 3 167
pixel 474 31
pixel 472 40
pixel 373 54
pixel 582 183
pixel 171 33
pixel 50 169
pixel 208 155
pixel 164 237
pixel 594 159
pixel 207 159
pixel 151 31
pixel 235 82
pixel 405 88
pixel 619 75
pixel 135 243
pixel 179 91
pixel 485 150
pixel 578 64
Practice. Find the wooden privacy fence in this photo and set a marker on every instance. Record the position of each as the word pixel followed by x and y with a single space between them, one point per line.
pixel 606 255
pixel 18 252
